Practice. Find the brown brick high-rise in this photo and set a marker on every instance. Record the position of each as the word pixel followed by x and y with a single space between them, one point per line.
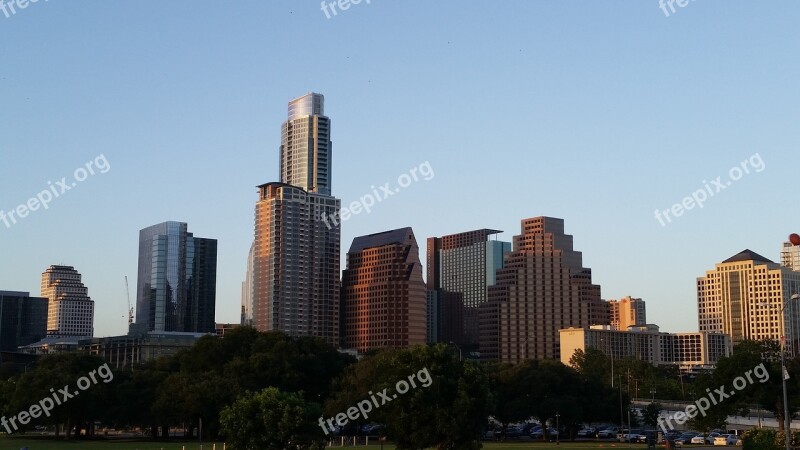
pixel 384 295
pixel 542 288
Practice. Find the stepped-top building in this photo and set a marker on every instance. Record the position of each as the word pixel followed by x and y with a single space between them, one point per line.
pixel 70 311
pixel 542 288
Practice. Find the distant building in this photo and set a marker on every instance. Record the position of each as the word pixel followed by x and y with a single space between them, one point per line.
pixel 445 313
pixel 790 256
pixel 138 348
pixel 23 319
pixel 461 267
pixel 542 288
pixel 383 293
pixel 70 310
pixel 747 296
pixel 688 351
pixel 223 328
pixel 627 312
pixel 247 291
pixel 177 284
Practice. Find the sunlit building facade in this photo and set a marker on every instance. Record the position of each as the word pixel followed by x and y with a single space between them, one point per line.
pixel 383 293
pixel 70 309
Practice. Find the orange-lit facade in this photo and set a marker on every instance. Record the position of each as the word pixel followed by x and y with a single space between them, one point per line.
pixel 383 293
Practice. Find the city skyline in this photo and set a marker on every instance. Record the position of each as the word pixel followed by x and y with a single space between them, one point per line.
pixel 609 136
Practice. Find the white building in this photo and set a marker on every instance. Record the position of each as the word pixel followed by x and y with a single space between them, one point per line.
pixel 70 311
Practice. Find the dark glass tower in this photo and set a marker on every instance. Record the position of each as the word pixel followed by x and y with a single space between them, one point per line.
pixel 23 320
pixel 176 288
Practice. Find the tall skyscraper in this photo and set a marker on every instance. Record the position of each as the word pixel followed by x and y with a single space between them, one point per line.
pixel 23 319
pixel 463 264
pixel 296 264
pixel 627 312
pixel 542 289
pixel 747 296
pixel 70 311
pixel 177 284
pixel 383 292
pixel 306 147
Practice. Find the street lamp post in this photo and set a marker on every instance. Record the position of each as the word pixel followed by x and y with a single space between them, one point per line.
pixel 558 429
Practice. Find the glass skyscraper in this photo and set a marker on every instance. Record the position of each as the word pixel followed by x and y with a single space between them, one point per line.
pixel 306 147
pixel 176 287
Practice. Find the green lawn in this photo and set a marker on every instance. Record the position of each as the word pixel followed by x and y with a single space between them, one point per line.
pixel 39 444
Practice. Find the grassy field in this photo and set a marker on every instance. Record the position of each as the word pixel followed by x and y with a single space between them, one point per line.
pixel 39 444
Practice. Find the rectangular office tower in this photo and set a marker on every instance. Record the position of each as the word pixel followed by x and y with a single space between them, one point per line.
pixel 383 292
pixel 296 263
pixel 747 296
pixel 70 311
pixel 177 285
pixel 790 256
pixel 627 312
pixel 461 267
pixel 542 289
pixel 23 319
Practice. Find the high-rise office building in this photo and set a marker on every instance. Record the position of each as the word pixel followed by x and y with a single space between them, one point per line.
pixel 177 284
pixel 627 312
pixel 463 264
pixel 296 267
pixel 247 290
pixel 383 293
pixel 306 148
pixel 542 289
pixel 23 319
pixel 70 311
pixel 747 296
pixel 790 256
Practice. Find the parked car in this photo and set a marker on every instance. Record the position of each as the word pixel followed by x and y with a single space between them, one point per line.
pixel 630 436
pixel 539 434
pixel 710 437
pixel 727 439
pixel 685 438
pixel 607 433
pixel 587 432
pixel 699 439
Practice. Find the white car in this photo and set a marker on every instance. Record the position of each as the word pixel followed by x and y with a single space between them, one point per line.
pixel 699 439
pixel 727 439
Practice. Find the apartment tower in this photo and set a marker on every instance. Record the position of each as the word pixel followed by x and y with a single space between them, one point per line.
pixel 542 288
pixel 383 292
pixel 627 312
pixel 296 266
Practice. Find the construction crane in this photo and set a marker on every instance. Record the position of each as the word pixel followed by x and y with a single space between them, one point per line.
pixel 130 309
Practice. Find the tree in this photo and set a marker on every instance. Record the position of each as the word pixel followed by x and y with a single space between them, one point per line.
pixel 447 410
pixel 651 413
pixel 272 420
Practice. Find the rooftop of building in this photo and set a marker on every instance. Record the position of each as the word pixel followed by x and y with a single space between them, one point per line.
pixel 747 255
pixel 398 236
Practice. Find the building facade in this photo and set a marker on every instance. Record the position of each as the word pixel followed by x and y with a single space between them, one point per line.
pixel 542 289
pixel 688 351
pixel 383 293
pixel 247 290
pixel 627 312
pixel 747 296
pixel 306 147
pixel 790 256
pixel 463 266
pixel 137 348
pixel 23 319
pixel 296 256
pixel 70 311
pixel 177 283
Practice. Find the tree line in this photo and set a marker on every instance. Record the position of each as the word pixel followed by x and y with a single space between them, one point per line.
pixel 272 391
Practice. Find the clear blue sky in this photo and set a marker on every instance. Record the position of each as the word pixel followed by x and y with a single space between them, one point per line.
pixel 595 112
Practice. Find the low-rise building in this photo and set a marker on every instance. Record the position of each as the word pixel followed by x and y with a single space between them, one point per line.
pixel 689 351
